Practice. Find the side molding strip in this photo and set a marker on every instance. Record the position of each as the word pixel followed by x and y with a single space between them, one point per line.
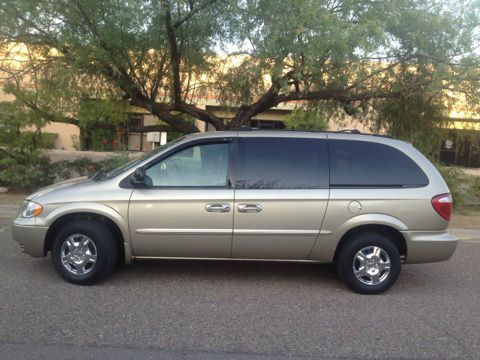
pixel 274 232
pixel 185 231
pixel 227 232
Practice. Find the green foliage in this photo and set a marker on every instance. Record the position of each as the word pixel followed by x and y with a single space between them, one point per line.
pixel 91 112
pixel 47 140
pixel 307 118
pixel 102 139
pixel 22 162
pixel 25 170
pixel 173 135
pixel 161 55
pixel 457 181
pixel 476 185
pixel 417 119
pixel 67 169
pixel 32 171
pixel 465 189
pixel 361 46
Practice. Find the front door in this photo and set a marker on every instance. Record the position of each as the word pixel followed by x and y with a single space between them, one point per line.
pixel 187 209
pixel 281 195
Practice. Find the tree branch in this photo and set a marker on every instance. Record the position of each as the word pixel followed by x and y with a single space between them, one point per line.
pixel 175 57
pixel 271 99
pixel 201 114
pixel 245 113
pixel 191 13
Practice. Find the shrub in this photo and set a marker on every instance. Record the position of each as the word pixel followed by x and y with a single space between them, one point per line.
pixel 67 169
pixel 475 189
pixel 463 187
pixel 102 139
pixel 32 170
pixel 25 170
pixel 47 140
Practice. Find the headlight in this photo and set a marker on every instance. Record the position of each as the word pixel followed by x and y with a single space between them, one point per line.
pixel 31 209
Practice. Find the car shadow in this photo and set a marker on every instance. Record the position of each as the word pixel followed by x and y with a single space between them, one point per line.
pixel 324 276
pixel 226 270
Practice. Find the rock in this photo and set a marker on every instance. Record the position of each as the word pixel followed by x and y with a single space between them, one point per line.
pixel 3 190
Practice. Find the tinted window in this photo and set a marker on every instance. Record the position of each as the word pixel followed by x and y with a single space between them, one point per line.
pixel 281 163
pixel 202 165
pixel 362 163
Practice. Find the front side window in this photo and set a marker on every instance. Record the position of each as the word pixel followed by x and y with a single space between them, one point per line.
pixel 133 163
pixel 281 163
pixel 203 165
pixel 368 164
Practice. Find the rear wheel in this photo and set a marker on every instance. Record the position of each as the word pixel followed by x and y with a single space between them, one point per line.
pixel 369 263
pixel 84 252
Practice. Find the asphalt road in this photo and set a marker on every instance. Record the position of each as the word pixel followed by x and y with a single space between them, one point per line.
pixel 237 310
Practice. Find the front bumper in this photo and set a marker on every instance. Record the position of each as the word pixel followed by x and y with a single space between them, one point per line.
pixel 429 246
pixel 31 238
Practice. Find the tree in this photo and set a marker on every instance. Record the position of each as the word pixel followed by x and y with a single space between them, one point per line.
pixel 22 164
pixel 308 118
pixel 164 55
pixel 417 119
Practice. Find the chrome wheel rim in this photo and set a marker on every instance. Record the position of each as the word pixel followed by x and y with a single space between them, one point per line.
pixel 371 265
pixel 78 254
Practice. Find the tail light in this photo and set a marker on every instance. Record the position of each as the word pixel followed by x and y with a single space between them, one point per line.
pixel 443 205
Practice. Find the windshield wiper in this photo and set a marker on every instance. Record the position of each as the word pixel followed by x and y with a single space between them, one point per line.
pixel 98 175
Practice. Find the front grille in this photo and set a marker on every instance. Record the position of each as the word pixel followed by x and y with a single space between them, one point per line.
pixel 22 247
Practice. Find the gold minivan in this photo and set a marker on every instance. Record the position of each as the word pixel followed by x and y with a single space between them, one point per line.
pixel 367 203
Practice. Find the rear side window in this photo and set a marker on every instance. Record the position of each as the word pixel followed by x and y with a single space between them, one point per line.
pixel 281 163
pixel 368 164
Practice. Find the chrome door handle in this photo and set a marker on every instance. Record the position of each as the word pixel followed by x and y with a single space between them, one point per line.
pixel 217 207
pixel 249 208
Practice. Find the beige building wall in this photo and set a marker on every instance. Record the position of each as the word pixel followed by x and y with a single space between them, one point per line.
pixel 68 135
pixel 279 113
pixel 134 139
pixel 6 97
pixel 64 131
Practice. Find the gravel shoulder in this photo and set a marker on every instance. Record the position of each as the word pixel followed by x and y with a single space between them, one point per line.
pixel 12 198
pixel 466 221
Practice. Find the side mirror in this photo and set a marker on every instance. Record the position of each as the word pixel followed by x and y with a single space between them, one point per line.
pixel 138 177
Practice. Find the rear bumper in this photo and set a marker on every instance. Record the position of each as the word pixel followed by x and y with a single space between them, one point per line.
pixel 30 238
pixel 429 246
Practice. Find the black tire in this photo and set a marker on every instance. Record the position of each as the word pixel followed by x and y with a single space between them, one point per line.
pixel 105 248
pixel 346 256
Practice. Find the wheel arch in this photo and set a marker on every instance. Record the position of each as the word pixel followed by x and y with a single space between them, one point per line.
pixel 390 232
pixel 117 227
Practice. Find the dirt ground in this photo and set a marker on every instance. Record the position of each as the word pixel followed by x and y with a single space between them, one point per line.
pixel 470 220
pixel 12 198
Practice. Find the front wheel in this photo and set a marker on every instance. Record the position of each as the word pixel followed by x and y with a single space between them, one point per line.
pixel 369 263
pixel 84 252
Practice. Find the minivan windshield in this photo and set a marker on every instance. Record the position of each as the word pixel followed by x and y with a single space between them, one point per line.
pixel 133 163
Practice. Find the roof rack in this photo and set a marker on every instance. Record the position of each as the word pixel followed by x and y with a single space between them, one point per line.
pixel 343 131
pixel 351 131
